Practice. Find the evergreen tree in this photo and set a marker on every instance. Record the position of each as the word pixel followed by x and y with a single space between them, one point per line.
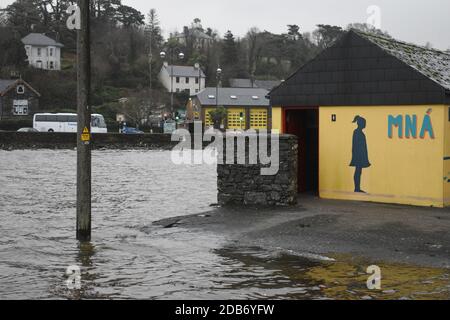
pixel 229 50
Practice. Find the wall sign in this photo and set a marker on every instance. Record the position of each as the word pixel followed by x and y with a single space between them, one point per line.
pixel 407 126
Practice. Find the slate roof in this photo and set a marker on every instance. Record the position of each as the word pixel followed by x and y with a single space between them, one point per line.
pixel 244 97
pixel 241 83
pixel 40 39
pixel 184 71
pixel 267 84
pixel 247 83
pixel 362 69
pixel 433 64
pixel 5 84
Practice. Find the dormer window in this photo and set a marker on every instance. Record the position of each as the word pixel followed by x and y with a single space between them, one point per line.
pixel 20 89
pixel 211 97
pixel 233 97
pixel 255 97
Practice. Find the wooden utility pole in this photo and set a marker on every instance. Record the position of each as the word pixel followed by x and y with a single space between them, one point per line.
pixel 84 124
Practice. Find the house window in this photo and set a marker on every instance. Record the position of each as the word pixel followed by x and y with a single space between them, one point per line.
pixel 196 80
pixel 178 80
pixel 51 52
pixel 20 107
pixel 178 90
pixel 52 65
pixel 187 80
pixel 196 90
pixel 39 51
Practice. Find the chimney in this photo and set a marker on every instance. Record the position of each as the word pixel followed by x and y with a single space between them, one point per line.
pixel 196 66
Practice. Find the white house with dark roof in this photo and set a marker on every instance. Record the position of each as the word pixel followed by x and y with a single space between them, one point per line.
pixel 182 78
pixel 194 35
pixel 43 52
pixel 199 38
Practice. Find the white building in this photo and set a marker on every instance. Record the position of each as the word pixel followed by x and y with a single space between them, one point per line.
pixel 199 39
pixel 182 78
pixel 43 52
pixel 194 35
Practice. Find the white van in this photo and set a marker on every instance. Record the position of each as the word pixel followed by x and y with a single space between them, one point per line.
pixel 66 122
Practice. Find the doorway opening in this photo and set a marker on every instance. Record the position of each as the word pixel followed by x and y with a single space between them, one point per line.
pixel 304 123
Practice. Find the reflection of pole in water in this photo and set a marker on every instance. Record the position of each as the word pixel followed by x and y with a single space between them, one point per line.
pixel 85 252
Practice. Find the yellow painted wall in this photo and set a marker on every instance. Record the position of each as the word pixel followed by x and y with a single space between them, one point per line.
pixel 234 118
pixel 404 171
pixel 277 122
pixel 207 118
pixel 258 118
pixel 447 156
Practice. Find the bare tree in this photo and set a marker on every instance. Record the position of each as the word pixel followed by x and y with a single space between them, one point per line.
pixel 255 46
pixel 136 109
pixel 3 17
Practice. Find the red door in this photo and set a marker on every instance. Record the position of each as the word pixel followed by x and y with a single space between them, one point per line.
pixel 303 123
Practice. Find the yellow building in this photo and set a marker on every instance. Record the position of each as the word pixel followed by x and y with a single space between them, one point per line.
pixel 373 120
pixel 246 108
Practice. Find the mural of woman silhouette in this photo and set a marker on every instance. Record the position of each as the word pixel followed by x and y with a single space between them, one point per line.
pixel 360 154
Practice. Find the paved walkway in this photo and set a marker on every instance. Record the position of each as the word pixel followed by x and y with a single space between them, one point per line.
pixel 379 232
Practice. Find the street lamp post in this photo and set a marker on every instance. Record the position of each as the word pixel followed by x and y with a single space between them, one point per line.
pixel 163 55
pixel 218 76
pixel 199 77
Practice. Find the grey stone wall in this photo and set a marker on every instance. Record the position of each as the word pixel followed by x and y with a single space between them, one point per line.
pixel 244 184
pixel 44 140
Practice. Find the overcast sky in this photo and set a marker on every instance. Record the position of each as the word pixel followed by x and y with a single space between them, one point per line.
pixel 415 21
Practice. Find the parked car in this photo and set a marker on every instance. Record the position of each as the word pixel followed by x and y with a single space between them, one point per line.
pixel 27 130
pixel 129 130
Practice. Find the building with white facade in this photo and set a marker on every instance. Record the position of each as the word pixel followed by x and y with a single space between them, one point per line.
pixel 43 52
pixel 179 79
pixel 195 35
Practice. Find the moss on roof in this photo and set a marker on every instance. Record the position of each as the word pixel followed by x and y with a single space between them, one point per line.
pixel 432 63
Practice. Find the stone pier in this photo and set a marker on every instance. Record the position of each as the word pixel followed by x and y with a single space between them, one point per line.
pixel 243 184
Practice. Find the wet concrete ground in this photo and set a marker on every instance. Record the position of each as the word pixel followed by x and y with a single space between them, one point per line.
pixel 333 243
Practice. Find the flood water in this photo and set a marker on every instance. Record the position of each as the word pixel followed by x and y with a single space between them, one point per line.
pixel 130 257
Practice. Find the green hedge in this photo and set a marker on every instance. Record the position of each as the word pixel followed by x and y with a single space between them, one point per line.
pixel 15 124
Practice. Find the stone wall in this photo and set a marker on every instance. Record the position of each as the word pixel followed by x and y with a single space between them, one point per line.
pixel 244 184
pixel 44 140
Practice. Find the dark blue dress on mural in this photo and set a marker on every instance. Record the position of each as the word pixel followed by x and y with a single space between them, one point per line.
pixel 360 154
